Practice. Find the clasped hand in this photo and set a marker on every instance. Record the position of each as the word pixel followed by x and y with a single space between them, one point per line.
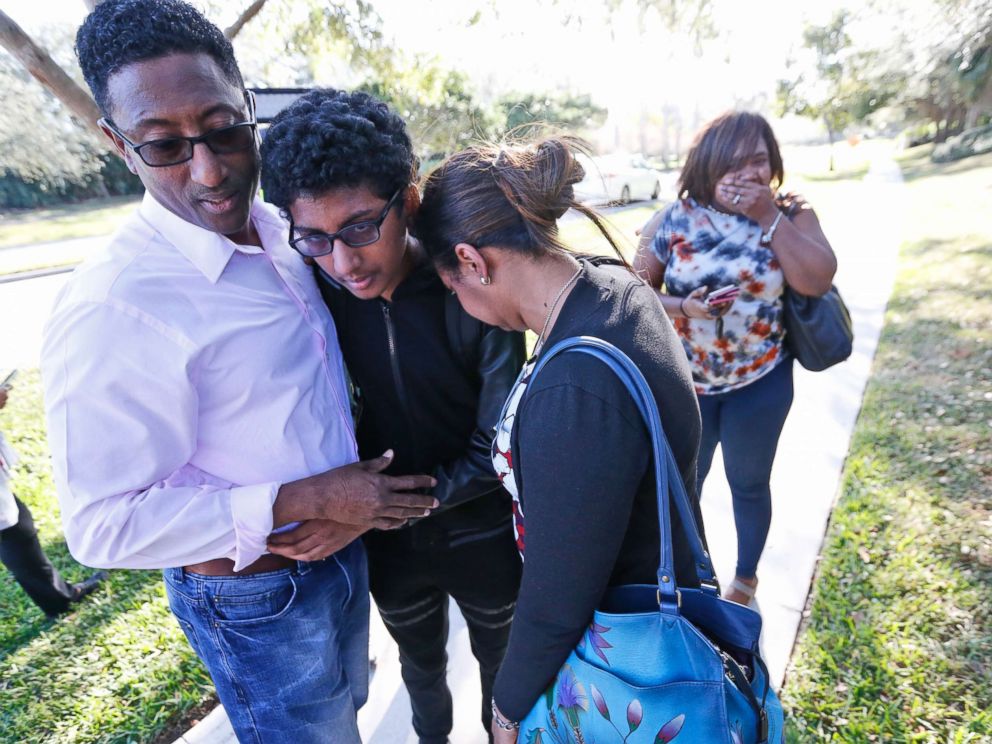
pixel 348 501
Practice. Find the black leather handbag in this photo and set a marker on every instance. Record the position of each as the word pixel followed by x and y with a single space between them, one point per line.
pixel 818 330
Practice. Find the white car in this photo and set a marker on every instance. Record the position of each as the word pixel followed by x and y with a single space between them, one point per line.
pixel 617 179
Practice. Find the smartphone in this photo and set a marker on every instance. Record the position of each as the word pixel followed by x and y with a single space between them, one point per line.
pixel 8 380
pixel 723 295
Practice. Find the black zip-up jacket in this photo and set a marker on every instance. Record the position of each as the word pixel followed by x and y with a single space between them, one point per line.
pixel 430 382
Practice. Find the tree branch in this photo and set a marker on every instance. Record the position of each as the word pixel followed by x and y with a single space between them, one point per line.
pixel 47 72
pixel 250 12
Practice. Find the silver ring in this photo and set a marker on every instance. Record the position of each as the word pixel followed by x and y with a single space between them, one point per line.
pixel 737 199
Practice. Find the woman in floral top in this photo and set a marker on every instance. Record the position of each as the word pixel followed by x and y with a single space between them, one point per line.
pixel 729 229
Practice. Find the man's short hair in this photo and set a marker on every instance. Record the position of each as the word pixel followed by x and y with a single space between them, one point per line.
pixel 331 138
pixel 121 32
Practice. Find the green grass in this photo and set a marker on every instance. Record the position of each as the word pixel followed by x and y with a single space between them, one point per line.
pixel 898 643
pixel 115 670
pixel 582 235
pixel 86 219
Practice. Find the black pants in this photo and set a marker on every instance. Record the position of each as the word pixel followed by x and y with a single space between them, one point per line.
pixel 411 580
pixel 21 553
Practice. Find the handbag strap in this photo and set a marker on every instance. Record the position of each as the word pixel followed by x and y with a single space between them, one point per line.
pixel 668 481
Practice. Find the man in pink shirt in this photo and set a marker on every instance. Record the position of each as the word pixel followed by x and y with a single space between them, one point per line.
pixel 196 397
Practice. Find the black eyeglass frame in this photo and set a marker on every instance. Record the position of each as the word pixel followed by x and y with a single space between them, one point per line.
pixel 341 234
pixel 205 138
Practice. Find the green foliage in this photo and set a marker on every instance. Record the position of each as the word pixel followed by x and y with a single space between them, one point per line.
pixel 525 112
pixel 835 91
pixel 898 642
pixel 117 669
pixel 48 157
pixel 972 142
pixel 440 110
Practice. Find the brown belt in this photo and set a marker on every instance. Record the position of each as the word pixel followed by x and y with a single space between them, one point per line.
pixel 225 566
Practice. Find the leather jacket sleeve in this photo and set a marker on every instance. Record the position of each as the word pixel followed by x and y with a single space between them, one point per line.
pixel 500 356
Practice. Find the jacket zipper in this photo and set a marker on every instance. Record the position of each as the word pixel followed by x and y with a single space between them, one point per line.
pixel 394 363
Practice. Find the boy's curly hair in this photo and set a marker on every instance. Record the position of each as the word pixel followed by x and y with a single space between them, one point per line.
pixel 330 138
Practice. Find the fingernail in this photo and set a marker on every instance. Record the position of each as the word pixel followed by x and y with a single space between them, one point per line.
pixel 387 453
pixel 436 503
pixel 427 512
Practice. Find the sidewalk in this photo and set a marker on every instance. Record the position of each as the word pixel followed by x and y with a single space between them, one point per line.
pixel 804 483
pixel 65 254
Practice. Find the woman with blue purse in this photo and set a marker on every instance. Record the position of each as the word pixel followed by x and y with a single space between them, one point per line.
pixel 575 451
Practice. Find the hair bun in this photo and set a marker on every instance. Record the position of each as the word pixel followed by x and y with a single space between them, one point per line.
pixel 559 170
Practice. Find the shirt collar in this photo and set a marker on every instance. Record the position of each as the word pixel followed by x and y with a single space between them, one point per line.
pixel 208 251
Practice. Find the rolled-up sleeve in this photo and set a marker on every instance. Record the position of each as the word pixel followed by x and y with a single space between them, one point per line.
pixel 122 411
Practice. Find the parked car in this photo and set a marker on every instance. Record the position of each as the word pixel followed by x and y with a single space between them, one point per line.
pixel 617 179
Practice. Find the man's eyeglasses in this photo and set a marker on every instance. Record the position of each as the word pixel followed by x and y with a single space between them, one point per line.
pixel 175 150
pixel 357 235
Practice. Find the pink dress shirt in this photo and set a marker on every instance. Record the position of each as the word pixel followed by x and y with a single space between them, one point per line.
pixel 186 378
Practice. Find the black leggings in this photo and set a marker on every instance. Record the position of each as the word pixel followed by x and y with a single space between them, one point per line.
pixel 747 423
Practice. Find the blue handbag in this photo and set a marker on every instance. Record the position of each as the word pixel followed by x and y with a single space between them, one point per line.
pixel 659 663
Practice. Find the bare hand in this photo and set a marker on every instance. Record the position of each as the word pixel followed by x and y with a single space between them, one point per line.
pixel 502 736
pixel 314 539
pixel 361 494
pixel 694 306
pixel 792 203
pixel 752 199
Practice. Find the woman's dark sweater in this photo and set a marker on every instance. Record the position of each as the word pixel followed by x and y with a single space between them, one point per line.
pixel 582 454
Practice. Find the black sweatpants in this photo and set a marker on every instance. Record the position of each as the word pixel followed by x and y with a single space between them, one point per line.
pixel 411 580
pixel 21 553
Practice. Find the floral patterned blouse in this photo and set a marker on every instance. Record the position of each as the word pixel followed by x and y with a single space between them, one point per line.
pixel 502 455
pixel 700 246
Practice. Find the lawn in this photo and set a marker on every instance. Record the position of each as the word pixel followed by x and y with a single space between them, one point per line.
pixel 898 643
pixel 83 220
pixel 115 670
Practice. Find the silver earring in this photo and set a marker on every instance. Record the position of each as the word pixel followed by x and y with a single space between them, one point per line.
pixel 485 280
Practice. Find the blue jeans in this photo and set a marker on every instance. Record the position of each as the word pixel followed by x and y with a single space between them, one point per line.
pixel 287 650
pixel 747 423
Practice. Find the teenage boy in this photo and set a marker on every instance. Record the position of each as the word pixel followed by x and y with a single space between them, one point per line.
pixel 431 382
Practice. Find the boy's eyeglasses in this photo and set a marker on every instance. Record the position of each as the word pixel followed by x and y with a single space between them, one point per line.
pixel 357 235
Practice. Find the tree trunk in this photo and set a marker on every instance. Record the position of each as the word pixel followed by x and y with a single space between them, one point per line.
pixel 44 69
pixel 832 135
pixel 250 12
pixel 941 135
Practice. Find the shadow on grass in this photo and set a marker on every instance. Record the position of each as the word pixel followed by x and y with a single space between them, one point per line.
pixel 916 164
pixel 925 248
pixel 23 622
